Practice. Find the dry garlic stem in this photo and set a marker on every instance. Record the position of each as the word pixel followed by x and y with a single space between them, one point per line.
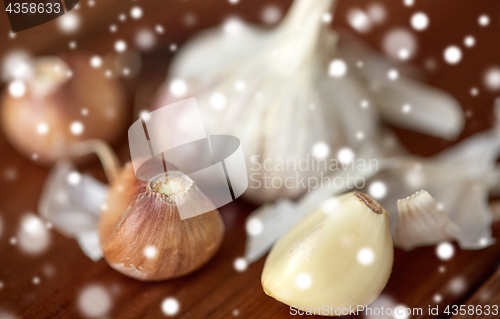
pixel 339 256
pixel 142 235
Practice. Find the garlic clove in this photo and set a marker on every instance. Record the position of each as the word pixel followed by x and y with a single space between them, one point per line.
pixel 340 255
pixel 142 235
pixel 422 221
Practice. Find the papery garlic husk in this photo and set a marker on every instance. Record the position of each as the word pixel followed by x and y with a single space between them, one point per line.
pixel 71 202
pixel 274 90
pixel 422 221
pixel 340 255
pixel 142 235
pixel 65 101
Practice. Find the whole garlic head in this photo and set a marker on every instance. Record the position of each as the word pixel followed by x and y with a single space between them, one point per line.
pixel 340 255
pixel 142 235
pixel 296 94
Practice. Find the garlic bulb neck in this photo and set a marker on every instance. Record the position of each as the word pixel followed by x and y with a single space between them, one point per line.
pixel 170 185
pixel 301 29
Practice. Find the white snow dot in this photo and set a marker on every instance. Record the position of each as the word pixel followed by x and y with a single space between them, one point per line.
pixel 95 61
pixel 337 68
pixel 120 46
pixel 145 115
pixel 36 280
pixel 399 43
pixel 320 150
pixel 236 312
pixel 145 39
pixel 218 101
pixel 17 88
pixel 406 108
pixel 442 269
pixel 91 3
pixel 122 17
pixel 94 301
pixel 150 251
pixel 474 91
pixel 240 85
pixel 469 41
pixel 445 251
pixel 437 298
pixel 72 45
pixel 170 306
pixel 178 87
pixel 400 312
pixel 113 28
pixel 303 281
pixel 42 128
pixel 365 256
pixel 271 14
pixel 393 74
pixel 136 12
pixel 173 47
pixel 74 178
pixel 483 20
pixel 377 190
pixel 69 22
pixel 364 104
pixel 326 17
pixel 452 54
pixel 76 128
pixel 240 264
pixel 360 135
pixel 330 205
pixel 359 20
pixel 492 79
pixel 34 237
pixel 457 285
pixel 234 1
pixel 159 29
pixel 408 3
pixel 254 227
pixel 419 21
pixel 345 155
pixel 377 12
pixel 13 240
pixel 403 54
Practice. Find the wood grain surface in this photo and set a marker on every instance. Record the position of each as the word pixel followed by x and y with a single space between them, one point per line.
pixel 419 278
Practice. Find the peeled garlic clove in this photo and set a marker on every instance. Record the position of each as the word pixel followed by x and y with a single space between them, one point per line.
pixel 61 103
pixel 142 235
pixel 340 255
pixel 423 222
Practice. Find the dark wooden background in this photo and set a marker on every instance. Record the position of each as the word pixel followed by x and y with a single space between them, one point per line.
pixel 217 290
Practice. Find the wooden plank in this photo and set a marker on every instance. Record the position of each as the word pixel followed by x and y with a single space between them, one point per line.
pixel 485 303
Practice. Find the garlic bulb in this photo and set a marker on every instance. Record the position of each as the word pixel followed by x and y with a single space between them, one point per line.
pixel 293 94
pixel 340 255
pixel 142 235
pixel 422 221
pixel 59 103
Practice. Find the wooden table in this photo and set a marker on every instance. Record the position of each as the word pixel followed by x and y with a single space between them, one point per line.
pixel 419 277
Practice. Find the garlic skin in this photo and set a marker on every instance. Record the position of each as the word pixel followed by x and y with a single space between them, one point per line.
pixel 422 221
pixel 65 101
pixel 142 235
pixel 340 255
